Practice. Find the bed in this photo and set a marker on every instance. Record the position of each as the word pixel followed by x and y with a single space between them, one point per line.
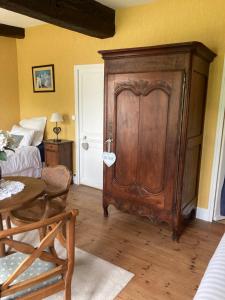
pixel 212 286
pixel 25 161
pixel 28 156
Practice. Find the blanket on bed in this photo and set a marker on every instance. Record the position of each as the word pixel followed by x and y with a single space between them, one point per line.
pixel 24 158
pixel 212 286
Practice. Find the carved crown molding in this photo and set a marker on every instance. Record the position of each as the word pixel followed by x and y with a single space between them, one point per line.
pixel 143 87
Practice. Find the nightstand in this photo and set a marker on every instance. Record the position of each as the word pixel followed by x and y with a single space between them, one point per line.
pixel 59 153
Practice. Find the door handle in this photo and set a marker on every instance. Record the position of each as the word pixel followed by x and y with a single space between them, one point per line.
pixel 85 146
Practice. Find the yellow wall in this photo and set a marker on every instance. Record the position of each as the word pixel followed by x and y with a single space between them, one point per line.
pixel 9 99
pixel 161 22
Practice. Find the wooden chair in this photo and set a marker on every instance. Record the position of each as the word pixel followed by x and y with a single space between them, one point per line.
pixel 57 180
pixel 36 273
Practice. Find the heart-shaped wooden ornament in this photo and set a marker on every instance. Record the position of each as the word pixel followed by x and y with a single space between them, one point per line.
pixel 109 158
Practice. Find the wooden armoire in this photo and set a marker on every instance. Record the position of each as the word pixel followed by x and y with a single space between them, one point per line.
pixel 155 100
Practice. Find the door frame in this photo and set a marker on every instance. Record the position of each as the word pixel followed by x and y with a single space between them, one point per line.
pixel 219 150
pixel 78 68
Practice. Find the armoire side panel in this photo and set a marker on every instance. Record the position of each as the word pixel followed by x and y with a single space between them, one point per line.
pixel 190 183
pixel 197 104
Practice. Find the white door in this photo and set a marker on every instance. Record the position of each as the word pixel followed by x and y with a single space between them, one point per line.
pixel 89 80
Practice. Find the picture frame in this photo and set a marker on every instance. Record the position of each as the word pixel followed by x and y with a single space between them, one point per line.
pixel 43 78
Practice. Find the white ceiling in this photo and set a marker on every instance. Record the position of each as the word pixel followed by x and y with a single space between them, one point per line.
pixel 123 3
pixel 11 18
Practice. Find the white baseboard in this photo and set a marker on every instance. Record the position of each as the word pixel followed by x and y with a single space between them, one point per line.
pixel 218 217
pixel 203 214
pixel 75 179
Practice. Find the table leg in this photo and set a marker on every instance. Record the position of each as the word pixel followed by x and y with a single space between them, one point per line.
pixel 2 247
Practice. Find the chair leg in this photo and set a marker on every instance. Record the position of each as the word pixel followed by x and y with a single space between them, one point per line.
pixel 8 225
pixel 68 292
pixel 2 246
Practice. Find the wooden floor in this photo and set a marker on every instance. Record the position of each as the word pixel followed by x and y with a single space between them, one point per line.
pixel 163 269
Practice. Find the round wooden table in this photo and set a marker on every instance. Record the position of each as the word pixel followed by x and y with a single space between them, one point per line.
pixel 33 188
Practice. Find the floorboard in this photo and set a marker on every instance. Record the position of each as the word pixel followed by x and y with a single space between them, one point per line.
pixel 163 269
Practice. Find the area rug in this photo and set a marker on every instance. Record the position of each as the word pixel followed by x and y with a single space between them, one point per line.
pixel 93 279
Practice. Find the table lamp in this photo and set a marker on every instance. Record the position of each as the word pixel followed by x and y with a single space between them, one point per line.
pixel 56 118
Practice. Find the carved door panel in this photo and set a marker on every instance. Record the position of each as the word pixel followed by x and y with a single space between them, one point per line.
pixel 143 114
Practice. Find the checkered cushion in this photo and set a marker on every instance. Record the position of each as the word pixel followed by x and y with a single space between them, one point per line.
pixel 8 265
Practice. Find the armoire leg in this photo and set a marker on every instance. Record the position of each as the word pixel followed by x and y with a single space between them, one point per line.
pixel 175 235
pixel 106 213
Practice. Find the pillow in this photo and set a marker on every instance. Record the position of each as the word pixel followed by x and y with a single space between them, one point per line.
pixel 28 135
pixel 36 124
pixel 15 141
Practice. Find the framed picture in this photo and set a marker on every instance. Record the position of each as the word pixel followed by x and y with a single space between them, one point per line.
pixel 43 78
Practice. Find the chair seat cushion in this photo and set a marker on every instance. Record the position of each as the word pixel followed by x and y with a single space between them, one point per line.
pixel 8 265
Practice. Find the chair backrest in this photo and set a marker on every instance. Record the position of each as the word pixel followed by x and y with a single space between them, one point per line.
pixel 62 267
pixel 57 178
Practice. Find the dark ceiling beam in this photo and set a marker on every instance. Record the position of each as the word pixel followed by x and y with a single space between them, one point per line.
pixel 11 31
pixel 85 16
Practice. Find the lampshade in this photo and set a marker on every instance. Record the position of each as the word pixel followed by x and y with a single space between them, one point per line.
pixel 56 117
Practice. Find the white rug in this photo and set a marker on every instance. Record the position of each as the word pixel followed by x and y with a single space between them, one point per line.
pixel 93 279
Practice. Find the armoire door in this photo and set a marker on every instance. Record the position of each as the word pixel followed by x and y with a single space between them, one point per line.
pixel 143 116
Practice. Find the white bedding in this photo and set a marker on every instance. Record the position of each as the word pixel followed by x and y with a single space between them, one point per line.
pixel 212 286
pixel 26 161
